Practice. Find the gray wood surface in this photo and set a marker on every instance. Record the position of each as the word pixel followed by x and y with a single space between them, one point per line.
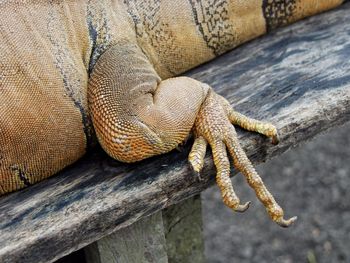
pixel 171 235
pixel 183 227
pixel 141 242
pixel 297 77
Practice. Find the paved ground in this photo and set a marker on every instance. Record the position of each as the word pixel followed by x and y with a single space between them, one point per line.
pixel 312 182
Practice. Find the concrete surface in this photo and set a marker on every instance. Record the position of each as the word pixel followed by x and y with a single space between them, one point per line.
pixel 311 181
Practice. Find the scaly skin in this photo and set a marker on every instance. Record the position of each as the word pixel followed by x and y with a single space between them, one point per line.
pixel 65 65
pixel 213 126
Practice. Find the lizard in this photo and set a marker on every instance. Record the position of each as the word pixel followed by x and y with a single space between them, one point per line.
pixel 76 72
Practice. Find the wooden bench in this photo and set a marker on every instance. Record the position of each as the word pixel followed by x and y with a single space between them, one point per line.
pixel 297 77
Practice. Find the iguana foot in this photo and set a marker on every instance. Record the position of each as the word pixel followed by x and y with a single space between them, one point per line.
pixel 213 125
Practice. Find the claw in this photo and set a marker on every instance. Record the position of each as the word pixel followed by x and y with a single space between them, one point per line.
pixel 179 148
pixel 198 174
pixel 275 139
pixel 213 128
pixel 197 154
pixel 286 223
pixel 242 208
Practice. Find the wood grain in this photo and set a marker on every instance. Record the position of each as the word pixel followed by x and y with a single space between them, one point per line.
pixel 297 77
pixel 183 227
pixel 171 235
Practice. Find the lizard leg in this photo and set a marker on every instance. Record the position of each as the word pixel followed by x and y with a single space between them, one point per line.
pixel 213 125
pixel 135 114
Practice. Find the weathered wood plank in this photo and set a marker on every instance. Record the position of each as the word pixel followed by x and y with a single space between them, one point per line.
pixel 297 78
pixel 171 235
pixel 143 241
pixel 183 228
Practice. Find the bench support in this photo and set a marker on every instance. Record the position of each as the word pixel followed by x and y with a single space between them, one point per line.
pixel 183 231
pixel 171 235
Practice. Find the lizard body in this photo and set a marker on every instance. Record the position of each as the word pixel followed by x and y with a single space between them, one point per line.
pixel 71 71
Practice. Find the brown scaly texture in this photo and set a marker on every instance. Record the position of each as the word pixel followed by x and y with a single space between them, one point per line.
pixel 66 66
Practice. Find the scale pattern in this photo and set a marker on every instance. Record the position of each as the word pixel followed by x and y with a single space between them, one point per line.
pixel 71 71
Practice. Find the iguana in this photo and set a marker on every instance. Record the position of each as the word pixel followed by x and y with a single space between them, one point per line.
pixel 75 70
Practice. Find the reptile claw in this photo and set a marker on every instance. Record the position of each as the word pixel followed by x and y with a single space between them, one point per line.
pixel 242 208
pixel 275 139
pixel 198 174
pixel 213 128
pixel 286 223
pixel 179 148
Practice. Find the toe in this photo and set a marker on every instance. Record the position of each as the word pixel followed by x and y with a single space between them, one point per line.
pixel 243 164
pixel 197 154
pixel 223 180
pixel 275 139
